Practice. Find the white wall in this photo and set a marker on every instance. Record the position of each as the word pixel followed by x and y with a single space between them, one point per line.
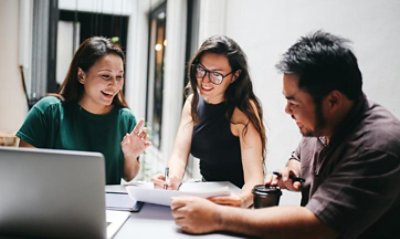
pixel 266 29
pixel 13 106
pixel 136 78
pixel 212 18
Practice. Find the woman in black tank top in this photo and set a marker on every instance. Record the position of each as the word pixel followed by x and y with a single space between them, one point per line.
pixel 221 122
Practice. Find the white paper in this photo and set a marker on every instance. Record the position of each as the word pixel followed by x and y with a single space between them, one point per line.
pixel 145 192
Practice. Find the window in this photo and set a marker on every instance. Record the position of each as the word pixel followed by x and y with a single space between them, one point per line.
pixel 192 36
pixel 75 26
pixel 57 34
pixel 155 82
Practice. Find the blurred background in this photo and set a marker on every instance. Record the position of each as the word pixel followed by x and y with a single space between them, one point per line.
pixel 39 37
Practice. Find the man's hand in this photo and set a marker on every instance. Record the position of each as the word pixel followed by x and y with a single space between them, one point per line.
pixel 196 215
pixel 287 178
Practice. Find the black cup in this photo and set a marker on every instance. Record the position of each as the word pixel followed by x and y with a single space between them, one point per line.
pixel 266 196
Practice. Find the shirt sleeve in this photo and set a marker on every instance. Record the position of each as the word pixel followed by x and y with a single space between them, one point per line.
pixel 129 119
pixel 295 155
pixel 33 127
pixel 298 153
pixel 358 192
pixel 36 125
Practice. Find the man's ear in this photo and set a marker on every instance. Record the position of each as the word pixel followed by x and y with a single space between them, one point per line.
pixel 236 75
pixel 335 99
pixel 81 76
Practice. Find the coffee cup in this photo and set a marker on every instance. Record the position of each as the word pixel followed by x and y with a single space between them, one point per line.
pixel 8 139
pixel 266 196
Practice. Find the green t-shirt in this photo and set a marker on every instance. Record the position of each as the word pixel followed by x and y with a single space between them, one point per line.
pixel 55 125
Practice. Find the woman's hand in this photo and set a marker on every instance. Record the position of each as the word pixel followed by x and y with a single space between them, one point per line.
pixel 159 182
pixel 232 200
pixel 132 146
pixel 134 143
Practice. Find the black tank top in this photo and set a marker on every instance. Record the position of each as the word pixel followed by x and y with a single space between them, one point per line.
pixel 215 145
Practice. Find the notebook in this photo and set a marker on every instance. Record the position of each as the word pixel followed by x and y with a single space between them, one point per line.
pixel 54 194
pixel 117 198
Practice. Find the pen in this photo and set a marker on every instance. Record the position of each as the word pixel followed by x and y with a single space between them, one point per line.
pixel 166 174
pixel 292 177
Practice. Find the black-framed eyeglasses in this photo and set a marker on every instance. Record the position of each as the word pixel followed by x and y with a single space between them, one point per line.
pixel 215 77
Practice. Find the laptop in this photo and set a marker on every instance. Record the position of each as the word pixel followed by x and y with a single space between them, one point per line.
pixel 54 194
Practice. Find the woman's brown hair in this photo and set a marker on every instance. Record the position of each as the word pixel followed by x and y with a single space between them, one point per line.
pixel 240 93
pixel 88 53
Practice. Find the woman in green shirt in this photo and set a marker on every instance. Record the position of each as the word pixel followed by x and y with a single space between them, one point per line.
pixel 90 113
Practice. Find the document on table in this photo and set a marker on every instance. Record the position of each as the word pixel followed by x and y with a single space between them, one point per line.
pixel 145 192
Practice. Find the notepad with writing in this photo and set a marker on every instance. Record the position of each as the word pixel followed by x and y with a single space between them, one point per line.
pixel 145 192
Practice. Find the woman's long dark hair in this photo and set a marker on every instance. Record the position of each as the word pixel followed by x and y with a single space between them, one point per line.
pixel 240 93
pixel 89 52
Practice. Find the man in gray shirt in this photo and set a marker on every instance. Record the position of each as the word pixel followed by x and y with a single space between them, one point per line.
pixel 349 157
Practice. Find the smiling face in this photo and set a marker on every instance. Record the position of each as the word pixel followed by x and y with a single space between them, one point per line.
pixel 101 83
pixel 218 63
pixel 302 108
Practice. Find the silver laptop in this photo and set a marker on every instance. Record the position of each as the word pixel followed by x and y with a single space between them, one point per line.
pixel 52 193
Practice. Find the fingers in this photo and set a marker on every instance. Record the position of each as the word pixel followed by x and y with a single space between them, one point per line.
pixel 138 128
pixel 132 138
pixel 172 184
pixel 158 181
pixel 233 200
pixel 272 180
pixel 291 180
pixel 285 179
pixel 143 134
pixel 138 133
pixel 178 202
pixel 218 200
pixel 178 212
pixel 195 215
pixel 126 139
pixel 297 186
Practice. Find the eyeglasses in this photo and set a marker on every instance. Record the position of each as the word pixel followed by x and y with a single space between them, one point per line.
pixel 215 77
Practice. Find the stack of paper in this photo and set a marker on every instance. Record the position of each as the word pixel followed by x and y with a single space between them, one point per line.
pixel 145 192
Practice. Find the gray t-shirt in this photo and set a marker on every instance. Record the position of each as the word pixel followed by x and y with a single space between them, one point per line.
pixel 352 184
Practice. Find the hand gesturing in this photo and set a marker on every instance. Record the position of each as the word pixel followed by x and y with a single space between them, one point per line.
pixel 134 143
